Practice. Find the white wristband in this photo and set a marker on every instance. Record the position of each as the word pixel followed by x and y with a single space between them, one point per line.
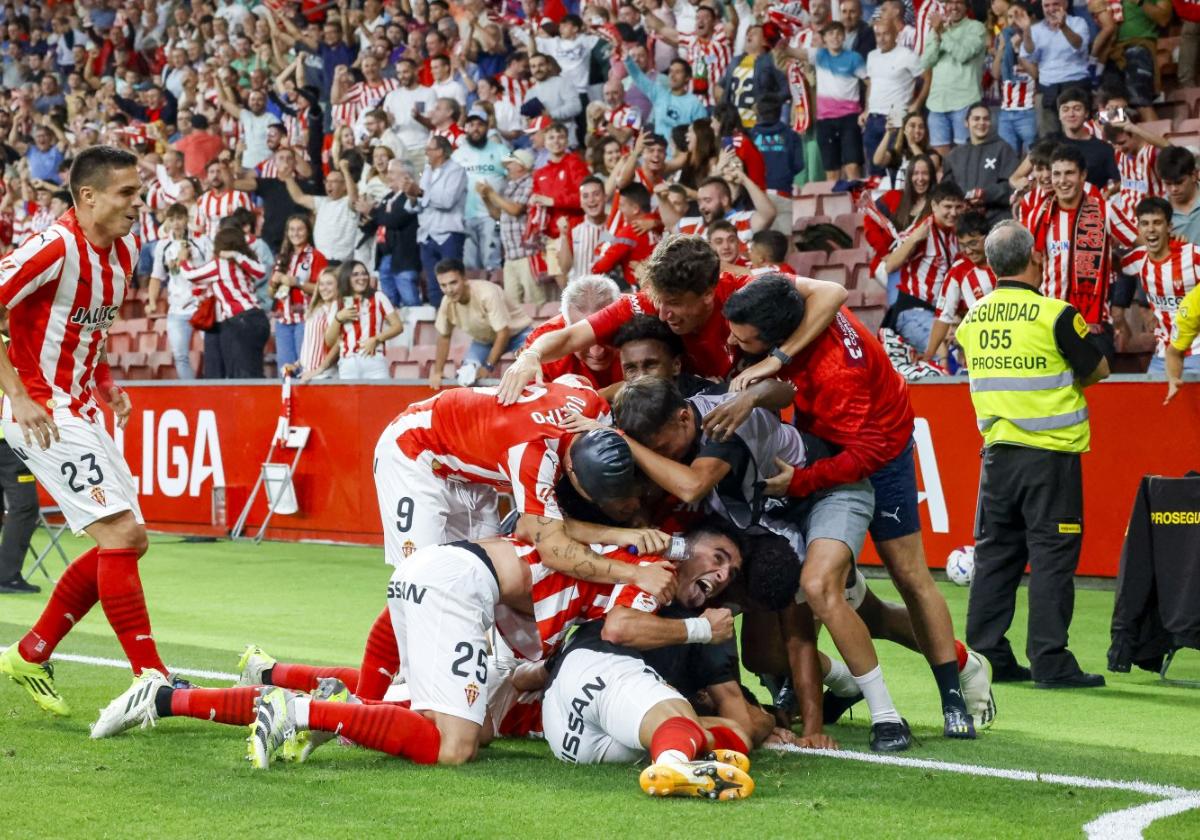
pixel 699 631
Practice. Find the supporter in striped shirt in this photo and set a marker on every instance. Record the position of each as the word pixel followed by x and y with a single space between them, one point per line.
pixel 707 49
pixel 923 255
pixel 292 282
pixel 618 119
pixel 317 359
pixel 351 99
pixel 1168 269
pixel 219 200
pixel 1038 185
pixel 1074 232
pixel 1137 153
pixel 1017 125
pixel 965 284
pixel 177 246
pixel 362 326
pixel 242 328
pixel 715 200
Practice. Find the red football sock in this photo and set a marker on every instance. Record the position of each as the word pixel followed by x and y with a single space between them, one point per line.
pixel 385 727
pixel 381 659
pixel 74 594
pixel 725 738
pixel 677 735
pixel 124 605
pixel 961 651
pixel 305 677
pixel 234 706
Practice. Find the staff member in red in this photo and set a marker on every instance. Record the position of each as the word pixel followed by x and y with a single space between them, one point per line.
pixel 685 288
pixel 848 393
pixel 556 185
pixel 242 328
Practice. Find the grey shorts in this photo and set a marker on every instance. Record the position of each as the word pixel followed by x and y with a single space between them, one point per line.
pixel 842 513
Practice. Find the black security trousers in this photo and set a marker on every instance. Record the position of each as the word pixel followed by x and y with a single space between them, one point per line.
pixel 1030 511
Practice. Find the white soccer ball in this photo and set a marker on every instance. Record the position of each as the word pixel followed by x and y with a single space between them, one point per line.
pixel 960 565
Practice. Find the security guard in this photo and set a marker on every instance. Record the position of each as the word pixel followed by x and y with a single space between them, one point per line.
pixel 1029 360
pixel 20 510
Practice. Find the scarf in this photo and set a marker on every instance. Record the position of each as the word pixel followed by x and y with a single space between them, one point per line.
pixel 1089 262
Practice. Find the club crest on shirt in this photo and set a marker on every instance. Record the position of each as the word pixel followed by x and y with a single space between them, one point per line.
pixel 408 548
pixel 98 495
pixel 472 692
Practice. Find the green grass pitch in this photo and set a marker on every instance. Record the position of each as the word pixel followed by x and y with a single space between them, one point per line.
pixel 314 603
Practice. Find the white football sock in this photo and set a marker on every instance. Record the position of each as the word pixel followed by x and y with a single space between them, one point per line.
pixel 875 691
pixel 671 757
pixel 839 680
pixel 301 705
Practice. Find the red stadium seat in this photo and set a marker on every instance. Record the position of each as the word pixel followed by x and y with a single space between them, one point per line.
pixel 119 343
pixel 831 273
pixel 818 188
pixel 804 263
pixel 549 309
pixel 836 204
pixel 137 366
pixel 425 333
pixel 804 206
pixel 163 365
pixel 873 294
pixel 132 308
pixel 871 316
pixel 406 370
pixel 133 325
pixel 852 223
pixel 799 224
pixel 148 342
pixel 1185 139
pixel 394 351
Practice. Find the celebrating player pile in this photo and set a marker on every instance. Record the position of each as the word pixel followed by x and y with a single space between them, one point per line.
pixel 574 625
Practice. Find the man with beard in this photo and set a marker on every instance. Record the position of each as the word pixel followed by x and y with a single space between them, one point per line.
pixel 404 104
pixel 715 200
pixel 219 198
pixel 483 160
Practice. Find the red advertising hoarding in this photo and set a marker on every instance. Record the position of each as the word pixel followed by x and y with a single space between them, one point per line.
pixel 184 440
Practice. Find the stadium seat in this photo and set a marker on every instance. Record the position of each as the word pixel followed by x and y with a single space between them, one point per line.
pixel 119 343
pixel 817 188
pixel 871 316
pixel 394 351
pixel 132 308
pixel 425 333
pixel 803 207
pixel 837 204
pixel 137 366
pixel 799 224
pixel 149 342
pixel 134 325
pixel 1164 127
pixel 1192 140
pixel 549 309
pixel 162 364
pixel 873 294
pixel 831 273
pixel 852 223
pixel 406 370
pixel 1190 96
pixel 805 262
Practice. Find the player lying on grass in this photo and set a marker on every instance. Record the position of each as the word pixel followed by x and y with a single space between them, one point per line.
pixel 443 601
pixel 669 445
pixel 439 465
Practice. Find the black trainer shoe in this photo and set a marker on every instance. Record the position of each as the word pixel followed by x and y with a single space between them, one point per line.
pixel 959 724
pixel 19 586
pixel 889 736
pixel 833 707
pixel 1080 680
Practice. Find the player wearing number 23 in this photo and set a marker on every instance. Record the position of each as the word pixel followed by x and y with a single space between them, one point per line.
pixel 1029 360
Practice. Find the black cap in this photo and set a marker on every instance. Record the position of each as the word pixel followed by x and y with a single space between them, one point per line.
pixel 653 139
pixel 603 465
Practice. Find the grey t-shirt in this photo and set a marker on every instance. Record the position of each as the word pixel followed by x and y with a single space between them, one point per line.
pixel 751 454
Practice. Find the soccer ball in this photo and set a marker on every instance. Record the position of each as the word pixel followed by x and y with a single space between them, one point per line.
pixel 960 565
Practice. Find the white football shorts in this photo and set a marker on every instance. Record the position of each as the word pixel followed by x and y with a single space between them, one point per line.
pixel 83 470
pixel 593 711
pixel 442 600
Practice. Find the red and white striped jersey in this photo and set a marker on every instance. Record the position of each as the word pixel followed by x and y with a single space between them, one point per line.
pixel 512 89
pixel 624 117
pixel 740 219
pixel 230 281
pixel 517 448
pixel 360 98
pixel 268 168
pixel 230 129
pixel 1017 95
pixel 452 132
pixel 709 57
pixel 586 237
pixel 1027 207
pixel 1167 282
pixel 1093 127
pixel 921 276
pixel 1138 177
pixel 921 30
pixel 63 294
pixel 372 316
pixel 771 268
pixel 296 124
pixel 964 286
pixel 305 265
pixel 313 349
pixel 560 602
pixel 1056 235
pixel 212 206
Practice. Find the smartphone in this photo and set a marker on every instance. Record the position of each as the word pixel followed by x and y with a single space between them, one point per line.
pixel 420 107
pixel 1112 115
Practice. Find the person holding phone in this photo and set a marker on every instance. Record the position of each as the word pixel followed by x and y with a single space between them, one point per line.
pixel 362 326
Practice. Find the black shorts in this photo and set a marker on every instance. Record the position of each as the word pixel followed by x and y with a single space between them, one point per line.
pixel 840 140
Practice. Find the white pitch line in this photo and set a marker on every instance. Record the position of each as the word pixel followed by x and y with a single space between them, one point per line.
pixel 1146 788
pixel 1125 824
pixel 1129 823
pixel 121 663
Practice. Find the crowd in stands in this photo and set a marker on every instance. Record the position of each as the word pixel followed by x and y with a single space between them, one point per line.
pixel 376 189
